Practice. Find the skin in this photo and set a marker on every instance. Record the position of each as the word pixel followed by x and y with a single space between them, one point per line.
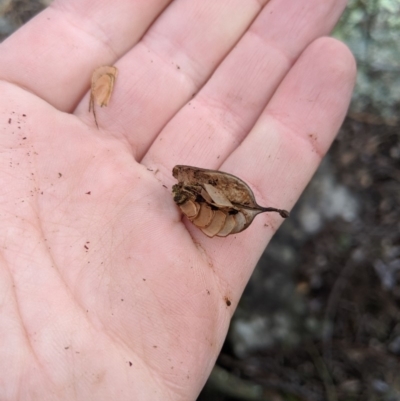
pixel 106 292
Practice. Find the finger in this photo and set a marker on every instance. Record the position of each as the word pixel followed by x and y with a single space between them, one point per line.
pixel 212 124
pixel 283 150
pixel 55 53
pixel 169 65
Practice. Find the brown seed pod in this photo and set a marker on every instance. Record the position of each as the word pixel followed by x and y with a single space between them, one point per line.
pixel 103 79
pixel 216 202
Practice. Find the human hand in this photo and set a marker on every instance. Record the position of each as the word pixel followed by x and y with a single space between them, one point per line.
pixel 107 293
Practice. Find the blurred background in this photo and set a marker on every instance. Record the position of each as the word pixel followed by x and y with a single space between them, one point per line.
pixel 320 317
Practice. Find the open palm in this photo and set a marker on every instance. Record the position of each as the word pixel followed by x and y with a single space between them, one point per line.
pixel 107 293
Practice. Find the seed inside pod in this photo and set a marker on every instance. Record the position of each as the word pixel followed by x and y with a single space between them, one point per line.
pixel 240 223
pixel 216 224
pixel 229 225
pixel 218 197
pixel 204 217
pixel 190 209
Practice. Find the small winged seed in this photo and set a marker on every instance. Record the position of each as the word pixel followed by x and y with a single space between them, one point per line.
pixel 103 79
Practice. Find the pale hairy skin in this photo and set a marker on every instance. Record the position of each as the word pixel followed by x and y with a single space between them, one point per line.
pixel 106 292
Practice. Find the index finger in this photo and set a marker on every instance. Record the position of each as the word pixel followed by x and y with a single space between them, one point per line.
pixel 54 54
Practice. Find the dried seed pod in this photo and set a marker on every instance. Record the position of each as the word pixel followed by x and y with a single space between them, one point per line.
pixel 103 79
pixel 216 202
